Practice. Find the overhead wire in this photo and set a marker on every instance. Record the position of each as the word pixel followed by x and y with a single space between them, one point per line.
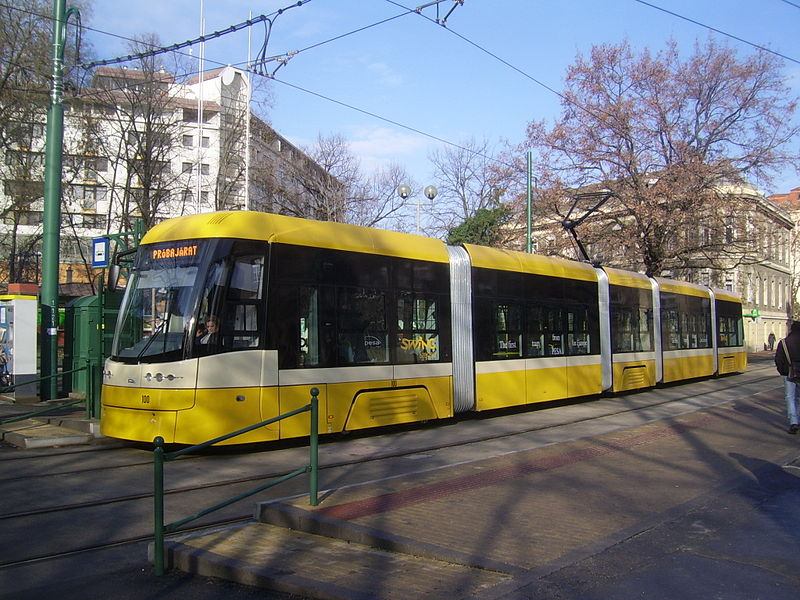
pixel 283 58
pixel 203 38
pixel 390 121
pixel 719 31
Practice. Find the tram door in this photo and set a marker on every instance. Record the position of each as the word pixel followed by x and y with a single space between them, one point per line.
pixel 299 332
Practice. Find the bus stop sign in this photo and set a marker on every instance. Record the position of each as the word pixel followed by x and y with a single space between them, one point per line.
pixel 100 252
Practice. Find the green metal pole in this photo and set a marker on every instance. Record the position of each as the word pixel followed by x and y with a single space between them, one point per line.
pixel 528 245
pixel 52 205
pixel 158 505
pixel 313 447
pixel 89 390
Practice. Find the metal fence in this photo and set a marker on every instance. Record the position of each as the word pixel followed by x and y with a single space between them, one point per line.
pixel 160 457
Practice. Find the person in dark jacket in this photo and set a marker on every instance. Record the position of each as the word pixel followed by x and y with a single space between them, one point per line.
pixel 791 343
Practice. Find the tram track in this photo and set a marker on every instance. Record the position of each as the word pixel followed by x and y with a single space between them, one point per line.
pixel 132 510
pixel 334 464
pixel 116 544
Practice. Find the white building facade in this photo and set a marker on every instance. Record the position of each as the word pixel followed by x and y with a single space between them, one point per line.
pixel 140 145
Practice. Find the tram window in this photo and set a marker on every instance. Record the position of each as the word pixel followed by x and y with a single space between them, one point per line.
pixel 624 328
pixel 418 328
pixel 670 324
pixel 507 330
pixel 243 302
pixel 730 332
pixel 233 296
pixel 295 327
pixel 631 319
pixel 578 337
pixel 554 332
pixel 686 331
pixel 685 321
pixel 729 324
pixel 545 331
pixel 362 334
pixel 535 338
pixel 645 329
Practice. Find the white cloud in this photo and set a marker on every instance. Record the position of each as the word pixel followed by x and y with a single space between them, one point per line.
pixel 378 146
pixel 384 74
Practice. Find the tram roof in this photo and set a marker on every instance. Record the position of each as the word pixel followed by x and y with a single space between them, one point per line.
pixel 726 295
pixel 536 264
pixel 628 278
pixel 682 287
pixel 269 227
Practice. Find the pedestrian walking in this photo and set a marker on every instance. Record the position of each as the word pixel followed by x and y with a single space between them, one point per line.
pixel 787 360
pixel 771 341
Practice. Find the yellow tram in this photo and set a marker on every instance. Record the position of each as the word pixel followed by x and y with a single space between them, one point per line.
pixel 230 318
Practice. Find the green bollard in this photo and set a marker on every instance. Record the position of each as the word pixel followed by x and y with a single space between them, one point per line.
pixel 158 505
pixel 313 447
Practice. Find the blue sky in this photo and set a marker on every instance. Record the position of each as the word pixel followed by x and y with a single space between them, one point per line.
pixel 416 73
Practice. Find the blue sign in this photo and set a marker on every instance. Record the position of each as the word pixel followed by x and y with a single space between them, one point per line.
pixel 100 252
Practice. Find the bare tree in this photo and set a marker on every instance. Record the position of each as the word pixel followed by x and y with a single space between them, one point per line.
pixel 670 141
pixel 373 200
pixel 468 181
pixel 325 182
pixel 136 127
pixel 25 48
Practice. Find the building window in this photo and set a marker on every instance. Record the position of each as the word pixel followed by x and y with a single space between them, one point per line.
pixel 204 141
pixel 186 167
pixel 94 221
pixel 204 169
pixel 188 141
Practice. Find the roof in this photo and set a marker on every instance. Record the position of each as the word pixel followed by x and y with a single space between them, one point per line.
pixel 789 200
pixel 133 74
pixel 251 225
pixel 206 75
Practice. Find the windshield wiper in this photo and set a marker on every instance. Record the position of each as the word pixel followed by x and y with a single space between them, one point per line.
pixel 153 336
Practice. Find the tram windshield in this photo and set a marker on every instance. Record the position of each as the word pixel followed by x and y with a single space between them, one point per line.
pixel 156 315
pixel 192 298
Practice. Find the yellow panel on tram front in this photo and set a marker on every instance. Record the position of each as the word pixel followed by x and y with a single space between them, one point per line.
pixel 220 411
pixel 147 398
pixel 138 425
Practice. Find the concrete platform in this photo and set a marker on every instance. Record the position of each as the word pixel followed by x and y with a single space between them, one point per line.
pixel 68 427
pixel 35 433
pixel 503 527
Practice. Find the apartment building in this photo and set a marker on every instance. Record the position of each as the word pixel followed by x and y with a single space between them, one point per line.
pixel 142 145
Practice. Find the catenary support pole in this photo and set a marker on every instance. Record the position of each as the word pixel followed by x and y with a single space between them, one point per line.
pixel 528 245
pixel 52 205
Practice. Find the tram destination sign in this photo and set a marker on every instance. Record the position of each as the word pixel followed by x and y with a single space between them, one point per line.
pixel 177 251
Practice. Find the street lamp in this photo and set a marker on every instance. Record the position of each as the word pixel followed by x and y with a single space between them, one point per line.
pixel 404 191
